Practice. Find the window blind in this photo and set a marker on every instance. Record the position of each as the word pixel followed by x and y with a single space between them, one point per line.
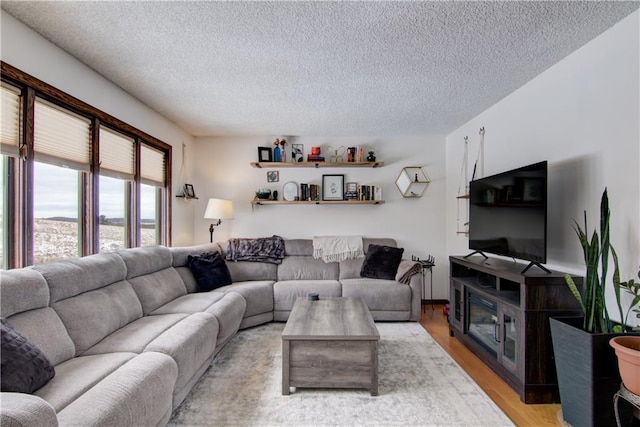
pixel 117 154
pixel 152 166
pixel 10 129
pixel 61 137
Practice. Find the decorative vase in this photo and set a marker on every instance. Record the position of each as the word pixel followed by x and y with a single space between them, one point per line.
pixel 276 154
pixel 628 352
pixel 587 370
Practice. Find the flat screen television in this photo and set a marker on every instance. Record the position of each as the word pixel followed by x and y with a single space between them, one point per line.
pixel 508 214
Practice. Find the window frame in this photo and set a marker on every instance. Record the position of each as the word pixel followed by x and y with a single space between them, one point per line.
pixel 20 249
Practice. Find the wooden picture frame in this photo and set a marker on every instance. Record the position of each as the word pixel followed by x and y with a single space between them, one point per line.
pixel 332 187
pixel 265 154
pixel 273 176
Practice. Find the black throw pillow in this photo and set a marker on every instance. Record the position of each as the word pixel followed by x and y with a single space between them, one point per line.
pixel 381 262
pixel 210 271
pixel 25 368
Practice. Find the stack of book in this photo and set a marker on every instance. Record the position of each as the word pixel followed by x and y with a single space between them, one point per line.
pixel 369 192
pixel 315 157
pixel 309 192
pixel 355 154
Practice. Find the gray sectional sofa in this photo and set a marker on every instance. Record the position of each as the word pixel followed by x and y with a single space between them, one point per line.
pixel 129 335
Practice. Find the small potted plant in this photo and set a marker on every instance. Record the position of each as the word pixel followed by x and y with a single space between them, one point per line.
pixel 627 347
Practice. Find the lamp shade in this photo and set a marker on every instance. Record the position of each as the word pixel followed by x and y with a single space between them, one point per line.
pixel 219 209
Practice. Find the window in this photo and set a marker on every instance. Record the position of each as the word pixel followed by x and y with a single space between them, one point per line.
pixel 10 103
pixel 57 227
pixel 152 173
pixel 76 181
pixel 117 167
pixel 62 146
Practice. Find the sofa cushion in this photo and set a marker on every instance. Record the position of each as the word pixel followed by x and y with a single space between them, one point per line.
pixel 91 316
pixel 180 254
pixel 241 271
pixel 257 293
pixel 191 343
pixel 44 328
pixel 145 260
pixel 384 295
pixel 21 290
pixel 138 393
pixel 381 262
pixel 24 367
pixel 285 293
pixel 134 337
pixel 75 376
pixel 209 270
pixel 307 268
pixel 158 288
pixel 68 278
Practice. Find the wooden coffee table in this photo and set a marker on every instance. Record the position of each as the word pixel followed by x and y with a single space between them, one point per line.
pixel 330 343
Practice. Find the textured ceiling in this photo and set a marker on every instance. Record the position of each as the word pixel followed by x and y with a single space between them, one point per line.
pixel 319 68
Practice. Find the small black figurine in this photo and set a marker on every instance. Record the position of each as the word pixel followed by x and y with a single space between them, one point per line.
pixel 371 157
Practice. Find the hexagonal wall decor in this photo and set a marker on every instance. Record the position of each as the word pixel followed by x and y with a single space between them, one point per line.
pixel 413 181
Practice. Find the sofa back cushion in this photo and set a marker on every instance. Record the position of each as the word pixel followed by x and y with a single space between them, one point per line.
pixel 25 368
pixel 180 260
pixel 299 263
pixel 350 268
pixel 150 271
pixel 91 296
pixel 24 300
pixel 298 247
pixel 307 268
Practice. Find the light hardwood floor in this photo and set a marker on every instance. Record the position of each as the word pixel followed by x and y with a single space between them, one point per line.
pixel 435 322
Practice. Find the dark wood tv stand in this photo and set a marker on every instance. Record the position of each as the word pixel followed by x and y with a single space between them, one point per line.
pixel 502 315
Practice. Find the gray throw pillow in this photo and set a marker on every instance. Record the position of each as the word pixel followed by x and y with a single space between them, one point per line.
pixel 209 270
pixel 381 262
pixel 25 368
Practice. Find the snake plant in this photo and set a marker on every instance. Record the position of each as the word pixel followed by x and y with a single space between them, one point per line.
pixel 596 258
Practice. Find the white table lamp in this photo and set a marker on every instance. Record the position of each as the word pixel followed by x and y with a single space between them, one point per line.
pixel 218 209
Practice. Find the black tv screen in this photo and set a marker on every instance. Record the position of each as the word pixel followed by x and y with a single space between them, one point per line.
pixel 508 213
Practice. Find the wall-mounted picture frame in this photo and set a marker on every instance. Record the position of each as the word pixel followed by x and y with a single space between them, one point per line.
pixel 297 153
pixel 189 191
pixel 273 176
pixel 265 154
pixel 332 187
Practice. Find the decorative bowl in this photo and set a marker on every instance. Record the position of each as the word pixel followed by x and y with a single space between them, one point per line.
pixel 263 194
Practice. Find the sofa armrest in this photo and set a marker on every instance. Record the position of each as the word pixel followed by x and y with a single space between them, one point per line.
pixel 22 410
pixel 406 270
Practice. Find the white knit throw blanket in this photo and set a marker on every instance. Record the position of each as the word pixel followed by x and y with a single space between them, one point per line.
pixel 337 248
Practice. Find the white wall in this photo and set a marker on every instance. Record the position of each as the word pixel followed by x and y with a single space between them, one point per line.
pixel 582 115
pixel 31 53
pixel 417 224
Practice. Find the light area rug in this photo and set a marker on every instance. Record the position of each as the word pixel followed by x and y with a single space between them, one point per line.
pixel 419 385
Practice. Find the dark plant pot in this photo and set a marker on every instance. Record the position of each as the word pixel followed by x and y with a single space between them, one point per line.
pixel 587 370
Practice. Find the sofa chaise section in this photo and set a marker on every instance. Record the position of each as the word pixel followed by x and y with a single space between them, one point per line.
pixel 76 394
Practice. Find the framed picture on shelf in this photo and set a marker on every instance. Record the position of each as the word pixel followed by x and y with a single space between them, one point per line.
pixel 189 191
pixel 532 190
pixel 273 176
pixel 297 153
pixel 265 154
pixel 332 187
